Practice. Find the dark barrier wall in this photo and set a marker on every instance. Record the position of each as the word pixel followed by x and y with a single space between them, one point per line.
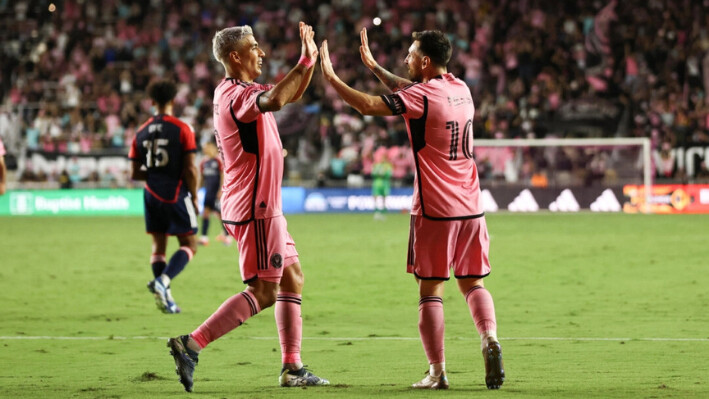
pixel 629 199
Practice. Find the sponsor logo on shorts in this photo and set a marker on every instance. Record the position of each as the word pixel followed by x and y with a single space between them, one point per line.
pixel 276 261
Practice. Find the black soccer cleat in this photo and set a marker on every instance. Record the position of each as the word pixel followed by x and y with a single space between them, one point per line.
pixel 185 360
pixel 494 367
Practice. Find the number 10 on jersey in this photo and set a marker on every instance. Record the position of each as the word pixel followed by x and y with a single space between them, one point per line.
pixel 467 145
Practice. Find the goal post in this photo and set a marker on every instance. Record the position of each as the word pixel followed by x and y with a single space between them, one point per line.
pixel 641 143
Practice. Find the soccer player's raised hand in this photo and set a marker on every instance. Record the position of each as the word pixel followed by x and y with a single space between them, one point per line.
pixel 364 51
pixel 325 63
pixel 308 49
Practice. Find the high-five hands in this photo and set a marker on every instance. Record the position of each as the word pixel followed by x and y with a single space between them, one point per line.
pixel 308 48
pixel 364 51
pixel 325 63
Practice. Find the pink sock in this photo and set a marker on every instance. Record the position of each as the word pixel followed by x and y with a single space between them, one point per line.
pixel 290 325
pixel 231 314
pixel 432 328
pixel 482 309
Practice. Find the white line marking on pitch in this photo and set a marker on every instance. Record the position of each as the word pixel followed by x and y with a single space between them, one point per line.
pixel 118 338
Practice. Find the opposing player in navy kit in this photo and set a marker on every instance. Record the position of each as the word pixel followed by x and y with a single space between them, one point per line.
pixel 163 154
pixel 212 175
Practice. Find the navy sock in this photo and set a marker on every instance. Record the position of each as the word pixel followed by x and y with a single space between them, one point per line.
pixel 158 268
pixel 205 226
pixel 178 261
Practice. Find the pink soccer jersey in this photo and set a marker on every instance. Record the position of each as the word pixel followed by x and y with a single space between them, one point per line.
pixel 251 151
pixel 439 116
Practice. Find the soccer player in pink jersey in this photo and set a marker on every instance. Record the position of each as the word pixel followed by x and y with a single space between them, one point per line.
pixel 251 151
pixel 448 229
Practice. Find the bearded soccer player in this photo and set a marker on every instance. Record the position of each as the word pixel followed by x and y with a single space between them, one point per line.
pixel 448 229
pixel 163 154
pixel 251 151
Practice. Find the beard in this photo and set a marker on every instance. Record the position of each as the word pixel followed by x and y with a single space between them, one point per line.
pixel 414 75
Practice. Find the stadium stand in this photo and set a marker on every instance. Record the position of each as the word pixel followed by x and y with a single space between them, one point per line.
pixel 74 73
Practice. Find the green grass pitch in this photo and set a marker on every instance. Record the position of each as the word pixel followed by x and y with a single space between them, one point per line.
pixel 588 306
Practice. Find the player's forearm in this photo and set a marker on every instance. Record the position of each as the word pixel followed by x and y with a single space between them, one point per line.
pixel 283 92
pixel 191 178
pixel 390 80
pixel 140 175
pixel 364 103
pixel 303 85
pixel 137 172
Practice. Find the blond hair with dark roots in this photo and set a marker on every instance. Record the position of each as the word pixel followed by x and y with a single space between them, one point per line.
pixel 226 40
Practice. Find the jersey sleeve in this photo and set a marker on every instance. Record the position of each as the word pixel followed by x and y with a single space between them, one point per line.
pixel 187 139
pixel 2 149
pixel 407 101
pixel 133 152
pixel 245 103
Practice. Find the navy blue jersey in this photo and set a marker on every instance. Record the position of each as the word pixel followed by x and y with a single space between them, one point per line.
pixel 160 145
pixel 211 169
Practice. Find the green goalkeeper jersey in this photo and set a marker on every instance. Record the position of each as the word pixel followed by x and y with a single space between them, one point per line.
pixel 381 178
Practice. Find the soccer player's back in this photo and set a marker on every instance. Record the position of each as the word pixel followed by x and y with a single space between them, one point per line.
pixel 439 117
pixel 162 154
pixel 160 146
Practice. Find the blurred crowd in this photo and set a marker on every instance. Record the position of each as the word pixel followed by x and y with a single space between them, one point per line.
pixel 74 74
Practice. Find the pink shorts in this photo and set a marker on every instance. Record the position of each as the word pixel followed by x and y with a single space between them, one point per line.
pixel 265 248
pixel 437 246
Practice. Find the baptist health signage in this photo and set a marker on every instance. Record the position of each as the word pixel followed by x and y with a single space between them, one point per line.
pixel 72 202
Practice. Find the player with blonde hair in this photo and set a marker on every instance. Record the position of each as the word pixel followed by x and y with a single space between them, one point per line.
pixel 251 148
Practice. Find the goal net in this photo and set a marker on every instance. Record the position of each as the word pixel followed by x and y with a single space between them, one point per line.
pixel 570 174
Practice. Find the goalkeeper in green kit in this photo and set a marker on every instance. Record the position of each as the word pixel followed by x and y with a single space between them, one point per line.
pixel 381 186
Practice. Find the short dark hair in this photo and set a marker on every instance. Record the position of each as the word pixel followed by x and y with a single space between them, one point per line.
pixel 435 45
pixel 162 91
